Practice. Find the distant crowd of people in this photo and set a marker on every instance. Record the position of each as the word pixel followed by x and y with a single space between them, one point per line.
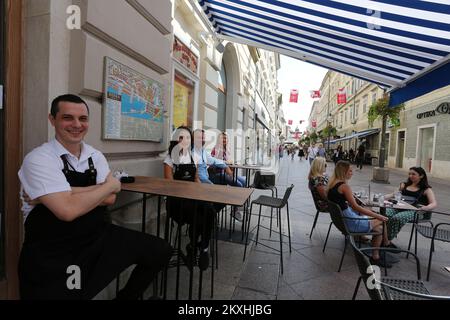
pixel 313 150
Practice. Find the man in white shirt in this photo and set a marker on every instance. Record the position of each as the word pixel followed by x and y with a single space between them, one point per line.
pixel 70 251
pixel 312 152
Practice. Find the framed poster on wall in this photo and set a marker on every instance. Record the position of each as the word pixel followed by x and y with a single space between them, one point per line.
pixel 134 104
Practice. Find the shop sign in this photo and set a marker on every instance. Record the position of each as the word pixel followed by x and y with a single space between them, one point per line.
pixel 184 55
pixel 443 108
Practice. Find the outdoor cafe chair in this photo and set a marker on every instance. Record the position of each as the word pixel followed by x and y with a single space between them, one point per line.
pixel 427 229
pixel 388 288
pixel 318 208
pixel 337 218
pixel 273 203
pixel 262 183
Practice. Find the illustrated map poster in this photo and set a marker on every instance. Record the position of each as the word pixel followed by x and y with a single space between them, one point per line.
pixel 133 104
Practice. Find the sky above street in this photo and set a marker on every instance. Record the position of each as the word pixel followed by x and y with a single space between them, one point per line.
pixel 303 76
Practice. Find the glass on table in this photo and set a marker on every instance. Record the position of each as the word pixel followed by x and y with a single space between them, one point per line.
pixel 398 196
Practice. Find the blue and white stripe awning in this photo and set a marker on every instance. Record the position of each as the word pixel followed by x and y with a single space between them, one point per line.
pixel 388 42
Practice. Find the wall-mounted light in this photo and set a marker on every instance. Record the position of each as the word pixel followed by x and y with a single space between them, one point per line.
pixel 220 47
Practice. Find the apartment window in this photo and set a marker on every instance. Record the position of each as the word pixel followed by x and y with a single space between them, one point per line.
pixel 356 109
pixel 365 104
pixel 345 116
pixel 374 96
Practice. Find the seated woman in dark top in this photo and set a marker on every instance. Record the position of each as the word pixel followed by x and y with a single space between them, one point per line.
pixel 340 193
pixel 179 165
pixel 415 191
pixel 318 181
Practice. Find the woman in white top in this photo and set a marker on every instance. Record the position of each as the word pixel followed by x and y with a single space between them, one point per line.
pixel 179 165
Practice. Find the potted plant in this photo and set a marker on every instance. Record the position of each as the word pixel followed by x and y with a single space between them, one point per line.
pixel 381 109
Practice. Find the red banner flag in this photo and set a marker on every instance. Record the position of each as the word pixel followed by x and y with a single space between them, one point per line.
pixel 294 96
pixel 315 94
pixel 342 96
pixel 313 123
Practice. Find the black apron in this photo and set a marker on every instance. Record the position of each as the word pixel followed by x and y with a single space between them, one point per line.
pixel 52 245
pixel 177 207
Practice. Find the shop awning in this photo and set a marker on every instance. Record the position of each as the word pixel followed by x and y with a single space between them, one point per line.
pixel 359 135
pixel 389 42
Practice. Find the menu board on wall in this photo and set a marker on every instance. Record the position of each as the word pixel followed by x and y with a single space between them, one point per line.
pixel 134 104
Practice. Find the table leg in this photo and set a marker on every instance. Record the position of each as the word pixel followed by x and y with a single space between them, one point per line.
pixel 194 249
pixel 158 217
pixel 144 211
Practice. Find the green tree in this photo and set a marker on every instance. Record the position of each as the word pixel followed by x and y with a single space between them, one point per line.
pixel 313 137
pixel 381 109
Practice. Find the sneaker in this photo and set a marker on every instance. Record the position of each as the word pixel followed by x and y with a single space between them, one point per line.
pixel 203 260
pixel 380 262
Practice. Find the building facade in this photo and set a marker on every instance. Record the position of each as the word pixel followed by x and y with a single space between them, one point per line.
pixel 419 140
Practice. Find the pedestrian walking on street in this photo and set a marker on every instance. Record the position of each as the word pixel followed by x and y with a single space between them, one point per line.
pixel 321 151
pixel 312 152
pixel 301 153
pixel 360 156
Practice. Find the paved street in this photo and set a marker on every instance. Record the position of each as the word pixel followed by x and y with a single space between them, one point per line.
pixel 309 273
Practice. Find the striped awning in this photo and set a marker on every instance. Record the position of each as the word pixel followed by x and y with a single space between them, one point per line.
pixel 388 42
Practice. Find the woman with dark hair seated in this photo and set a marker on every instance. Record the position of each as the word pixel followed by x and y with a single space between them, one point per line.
pixel 415 191
pixel 179 165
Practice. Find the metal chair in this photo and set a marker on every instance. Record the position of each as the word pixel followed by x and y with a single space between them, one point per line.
pixel 318 208
pixel 273 203
pixel 261 183
pixel 388 288
pixel 430 231
pixel 337 219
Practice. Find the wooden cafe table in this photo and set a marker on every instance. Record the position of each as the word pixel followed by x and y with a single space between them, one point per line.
pixel 186 190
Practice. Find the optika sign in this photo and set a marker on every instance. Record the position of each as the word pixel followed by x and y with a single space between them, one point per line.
pixel 443 108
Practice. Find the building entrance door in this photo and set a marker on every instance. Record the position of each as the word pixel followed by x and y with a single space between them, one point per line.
pixel 400 149
pixel 426 142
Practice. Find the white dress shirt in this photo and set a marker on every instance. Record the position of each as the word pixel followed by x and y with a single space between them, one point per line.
pixel 41 171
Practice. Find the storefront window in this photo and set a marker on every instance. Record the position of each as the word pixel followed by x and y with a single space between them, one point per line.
pixel 183 101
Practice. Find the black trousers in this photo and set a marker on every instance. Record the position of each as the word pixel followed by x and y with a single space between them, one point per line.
pixel 127 247
pixel 182 211
pixel 116 249
pixel 359 161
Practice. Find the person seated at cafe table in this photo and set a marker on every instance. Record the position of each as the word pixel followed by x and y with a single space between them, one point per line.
pixel 221 151
pixel 318 181
pixel 203 159
pixel 179 164
pixel 341 193
pixel 415 191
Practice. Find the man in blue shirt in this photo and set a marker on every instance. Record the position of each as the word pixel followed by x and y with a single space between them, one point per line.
pixel 203 159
